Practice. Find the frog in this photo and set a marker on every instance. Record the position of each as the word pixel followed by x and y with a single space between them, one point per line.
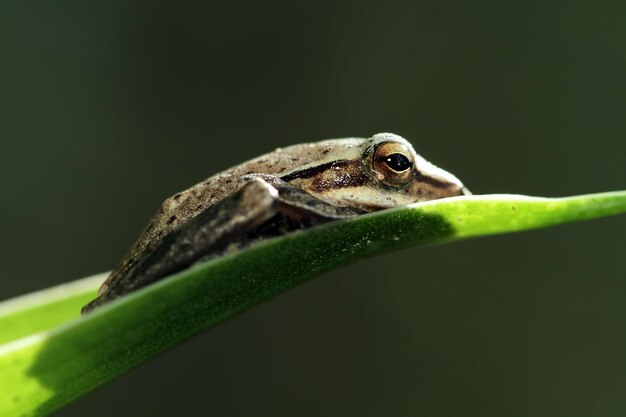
pixel 290 189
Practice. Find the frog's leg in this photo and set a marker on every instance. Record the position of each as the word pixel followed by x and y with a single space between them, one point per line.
pixel 264 207
pixel 297 204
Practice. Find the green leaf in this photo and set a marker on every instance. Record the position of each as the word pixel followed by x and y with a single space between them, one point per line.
pixel 69 356
pixel 43 310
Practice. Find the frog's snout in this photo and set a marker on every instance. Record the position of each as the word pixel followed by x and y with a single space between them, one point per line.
pixel 465 191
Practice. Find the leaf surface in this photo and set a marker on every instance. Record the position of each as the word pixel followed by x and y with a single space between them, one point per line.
pixel 51 355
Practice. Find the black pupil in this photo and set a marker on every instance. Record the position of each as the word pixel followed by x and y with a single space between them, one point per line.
pixel 398 162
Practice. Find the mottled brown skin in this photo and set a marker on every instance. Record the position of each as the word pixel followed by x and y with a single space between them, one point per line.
pixel 186 204
pixel 337 176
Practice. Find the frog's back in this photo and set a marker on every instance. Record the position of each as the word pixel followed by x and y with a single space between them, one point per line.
pixel 183 206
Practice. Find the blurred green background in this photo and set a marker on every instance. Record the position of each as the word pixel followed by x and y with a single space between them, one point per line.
pixel 109 107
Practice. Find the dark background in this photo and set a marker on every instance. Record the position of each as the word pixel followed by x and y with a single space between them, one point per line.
pixel 109 107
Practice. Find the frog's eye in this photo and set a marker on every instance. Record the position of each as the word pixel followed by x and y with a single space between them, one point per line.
pixel 398 162
pixel 393 163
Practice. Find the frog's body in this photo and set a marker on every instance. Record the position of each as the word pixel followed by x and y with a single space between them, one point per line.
pixel 293 187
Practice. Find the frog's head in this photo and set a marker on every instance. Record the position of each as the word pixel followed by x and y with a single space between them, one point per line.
pixel 372 174
pixel 403 176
